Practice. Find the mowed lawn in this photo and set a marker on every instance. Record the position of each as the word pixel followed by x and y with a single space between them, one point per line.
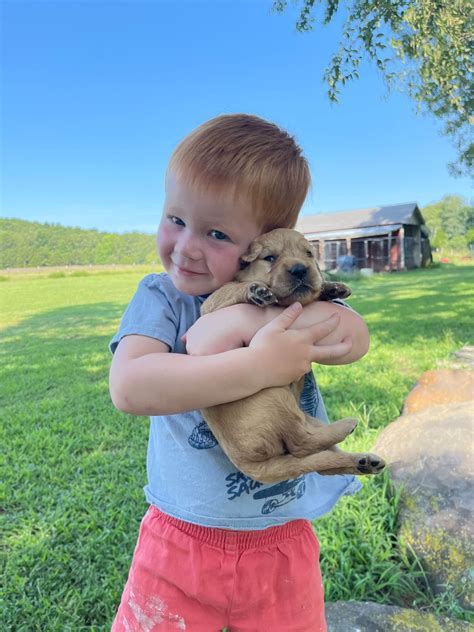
pixel 75 467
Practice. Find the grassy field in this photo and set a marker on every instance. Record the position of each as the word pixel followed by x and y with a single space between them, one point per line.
pixel 75 467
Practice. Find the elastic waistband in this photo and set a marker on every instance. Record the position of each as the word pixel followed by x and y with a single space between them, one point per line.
pixel 229 539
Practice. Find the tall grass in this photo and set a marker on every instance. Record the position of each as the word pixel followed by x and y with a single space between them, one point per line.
pixel 75 467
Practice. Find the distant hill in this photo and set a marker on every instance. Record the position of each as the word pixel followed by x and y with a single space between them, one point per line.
pixel 29 244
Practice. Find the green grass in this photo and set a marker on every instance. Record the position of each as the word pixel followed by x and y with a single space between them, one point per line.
pixel 75 467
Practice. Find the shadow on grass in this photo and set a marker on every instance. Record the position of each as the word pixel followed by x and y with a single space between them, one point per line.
pixel 71 339
pixel 74 475
pixel 424 303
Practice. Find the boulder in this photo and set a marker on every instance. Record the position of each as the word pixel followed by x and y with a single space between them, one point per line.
pixel 464 358
pixel 430 456
pixel 353 616
pixel 443 386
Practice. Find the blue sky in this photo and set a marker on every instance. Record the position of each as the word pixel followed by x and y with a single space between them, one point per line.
pixel 97 93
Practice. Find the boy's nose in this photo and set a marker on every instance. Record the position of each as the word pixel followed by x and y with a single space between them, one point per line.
pixel 188 246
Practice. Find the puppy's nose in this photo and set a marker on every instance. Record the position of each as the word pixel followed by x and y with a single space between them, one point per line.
pixel 298 270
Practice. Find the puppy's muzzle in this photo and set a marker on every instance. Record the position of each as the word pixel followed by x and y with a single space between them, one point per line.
pixel 299 271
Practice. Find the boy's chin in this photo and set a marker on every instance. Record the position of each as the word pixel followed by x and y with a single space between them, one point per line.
pixel 192 287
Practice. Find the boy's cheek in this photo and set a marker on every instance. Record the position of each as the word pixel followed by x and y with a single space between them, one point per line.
pixel 162 242
pixel 161 234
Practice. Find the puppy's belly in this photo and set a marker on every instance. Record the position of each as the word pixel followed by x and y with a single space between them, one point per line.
pixel 254 427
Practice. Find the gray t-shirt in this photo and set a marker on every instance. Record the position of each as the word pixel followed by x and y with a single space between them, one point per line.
pixel 189 476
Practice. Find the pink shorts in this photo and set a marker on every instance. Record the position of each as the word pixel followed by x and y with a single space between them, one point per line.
pixel 187 577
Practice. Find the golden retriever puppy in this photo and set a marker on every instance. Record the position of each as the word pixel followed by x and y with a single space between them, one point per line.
pixel 267 436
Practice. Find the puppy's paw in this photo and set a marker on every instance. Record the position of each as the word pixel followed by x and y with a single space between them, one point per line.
pixel 331 291
pixel 260 294
pixel 369 464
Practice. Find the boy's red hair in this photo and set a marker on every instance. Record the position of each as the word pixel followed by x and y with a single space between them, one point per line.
pixel 250 157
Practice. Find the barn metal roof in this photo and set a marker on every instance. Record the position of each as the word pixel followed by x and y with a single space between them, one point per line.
pixel 385 216
pixel 353 233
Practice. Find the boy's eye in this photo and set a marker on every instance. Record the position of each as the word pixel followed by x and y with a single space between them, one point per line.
pixel 216 234
pixel 270 258
pixel 176 220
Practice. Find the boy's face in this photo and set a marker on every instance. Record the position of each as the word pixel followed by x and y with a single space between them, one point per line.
pixel 201 237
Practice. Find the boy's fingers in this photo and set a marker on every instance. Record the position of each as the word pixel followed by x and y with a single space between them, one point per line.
pixel 288 316
pixel 323 353
pixel 324 328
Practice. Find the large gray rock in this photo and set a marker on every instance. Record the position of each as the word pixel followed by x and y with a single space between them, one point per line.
pixel 430 454
pixel 352 616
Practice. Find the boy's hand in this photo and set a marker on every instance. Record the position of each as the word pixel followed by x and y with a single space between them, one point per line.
pixel 284 355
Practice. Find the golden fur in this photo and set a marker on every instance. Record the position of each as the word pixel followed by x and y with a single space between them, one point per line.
pixel 267 436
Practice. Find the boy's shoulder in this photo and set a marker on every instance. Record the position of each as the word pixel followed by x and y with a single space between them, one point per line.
pixel 158 310
pixel 160 283
pixel 155 280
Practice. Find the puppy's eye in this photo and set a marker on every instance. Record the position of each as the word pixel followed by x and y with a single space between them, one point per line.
pixel 310 253
pixel 270 258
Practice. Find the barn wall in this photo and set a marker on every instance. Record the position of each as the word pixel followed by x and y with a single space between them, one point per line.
pixel 404 249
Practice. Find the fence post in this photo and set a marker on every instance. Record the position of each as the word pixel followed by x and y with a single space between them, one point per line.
pixel 401 237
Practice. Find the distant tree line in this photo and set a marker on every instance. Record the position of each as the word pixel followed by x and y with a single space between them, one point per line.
pixel 450 222
pixel 30 244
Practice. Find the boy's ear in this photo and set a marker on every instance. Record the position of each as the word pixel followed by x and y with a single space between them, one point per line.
pixel 252 253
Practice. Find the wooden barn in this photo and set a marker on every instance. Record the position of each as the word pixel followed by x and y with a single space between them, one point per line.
pixel 382 238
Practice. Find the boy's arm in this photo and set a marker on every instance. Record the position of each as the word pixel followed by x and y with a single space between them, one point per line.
pixel 235 326
pixel 145 379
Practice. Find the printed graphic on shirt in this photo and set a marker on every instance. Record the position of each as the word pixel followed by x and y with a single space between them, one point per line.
pixel 201 437
pixel 274 497
pixel 238 483
pixel 283 493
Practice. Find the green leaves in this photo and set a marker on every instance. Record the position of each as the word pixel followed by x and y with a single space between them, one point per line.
pixel 450 218
pixel 423 47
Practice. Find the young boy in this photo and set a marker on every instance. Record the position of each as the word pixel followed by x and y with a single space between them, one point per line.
pixel 217 549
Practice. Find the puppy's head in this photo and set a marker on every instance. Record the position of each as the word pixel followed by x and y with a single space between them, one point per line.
pixel 285 262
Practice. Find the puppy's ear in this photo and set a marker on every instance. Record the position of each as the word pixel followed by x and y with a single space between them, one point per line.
pixel 252 253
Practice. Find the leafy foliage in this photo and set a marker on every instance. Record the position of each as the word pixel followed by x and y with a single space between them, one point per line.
pixel 451 222
pixel 423 47
pixel 28 244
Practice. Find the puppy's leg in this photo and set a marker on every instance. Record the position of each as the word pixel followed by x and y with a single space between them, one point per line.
pixel 312 435
pixel 229 294
pixel 280 468
pixel 315 436
pixel 233 293
pixel 366 463
pixel 303 434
